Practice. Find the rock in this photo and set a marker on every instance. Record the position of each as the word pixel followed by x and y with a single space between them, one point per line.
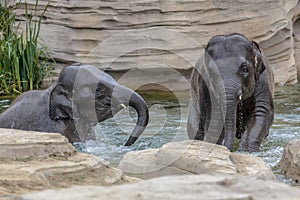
pixel 192 157
pixel 31 161
pixel 289 164
pixel 165 34
pixel 200 187
pixel 22 145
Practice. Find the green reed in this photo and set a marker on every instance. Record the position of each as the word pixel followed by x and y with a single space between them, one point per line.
pixel 24 61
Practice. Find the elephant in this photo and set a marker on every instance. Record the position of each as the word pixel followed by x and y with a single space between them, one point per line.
pixel 232 91
pixel 82 96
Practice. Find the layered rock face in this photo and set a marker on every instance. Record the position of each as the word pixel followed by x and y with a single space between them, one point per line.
pixel 192 157
pixel 148 38
pixel 31 161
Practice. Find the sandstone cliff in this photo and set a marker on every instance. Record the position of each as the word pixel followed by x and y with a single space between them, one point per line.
pixel 146 36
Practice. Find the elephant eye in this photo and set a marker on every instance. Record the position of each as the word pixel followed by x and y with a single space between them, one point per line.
pixel 69 96
pixel 244 70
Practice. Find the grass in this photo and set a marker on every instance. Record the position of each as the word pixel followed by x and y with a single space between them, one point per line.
pixel 24 61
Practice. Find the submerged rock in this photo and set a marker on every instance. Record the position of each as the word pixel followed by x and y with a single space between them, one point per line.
pixel 192 157
pixel 200 187
pixel 289 164
pixel 31 161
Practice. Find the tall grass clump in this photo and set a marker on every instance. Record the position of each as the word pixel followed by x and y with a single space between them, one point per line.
pixel 24 61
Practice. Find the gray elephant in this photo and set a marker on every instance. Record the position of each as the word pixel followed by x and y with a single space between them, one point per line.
pixel 82 96
pixel 232 94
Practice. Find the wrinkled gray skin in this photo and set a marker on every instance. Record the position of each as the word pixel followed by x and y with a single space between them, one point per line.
pixel 232 94
pixel 82 97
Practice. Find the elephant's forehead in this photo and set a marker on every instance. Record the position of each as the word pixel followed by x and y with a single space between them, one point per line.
pixel 224 49
pixel 227 62
pixel 87 75
pixel 224 52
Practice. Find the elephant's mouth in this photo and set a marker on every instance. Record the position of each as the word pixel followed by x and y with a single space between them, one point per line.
pixel 103 114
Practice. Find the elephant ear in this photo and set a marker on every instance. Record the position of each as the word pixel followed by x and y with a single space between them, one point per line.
pixel 60 103
pixel 258 59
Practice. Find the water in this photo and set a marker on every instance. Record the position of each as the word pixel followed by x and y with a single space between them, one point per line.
pixel 168 115
pixel 5 102
pixel 286 125
pixel 168 123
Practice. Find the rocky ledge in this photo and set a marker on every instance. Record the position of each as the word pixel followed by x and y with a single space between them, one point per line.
pixel 32 161
pixel 192 157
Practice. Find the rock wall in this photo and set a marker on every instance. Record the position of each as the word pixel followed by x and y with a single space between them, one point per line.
pixel 141 37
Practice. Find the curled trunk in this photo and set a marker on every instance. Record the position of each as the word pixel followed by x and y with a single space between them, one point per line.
pixel 128 97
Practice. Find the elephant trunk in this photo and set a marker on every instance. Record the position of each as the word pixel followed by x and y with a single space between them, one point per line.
pixel 230 122
pixel 129 97
pixel 137 102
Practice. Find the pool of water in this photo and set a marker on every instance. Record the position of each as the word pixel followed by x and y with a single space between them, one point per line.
pixel 4 103
pixel 168 113
pixel 286 125
pixel 168 123
pixel 168 116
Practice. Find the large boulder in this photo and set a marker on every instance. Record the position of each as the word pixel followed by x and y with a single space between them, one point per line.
pixel 142 37
pixel 289 164
pixel 31 161
pixel 192 157
pixel 198 187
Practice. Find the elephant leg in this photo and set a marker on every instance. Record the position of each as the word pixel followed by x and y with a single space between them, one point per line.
pixel 78 132
pixel 70 131
pixel 252 138
pixel 195 127
pixel 200 132
pixel 85 131
pixel 262 119
pixel 221 138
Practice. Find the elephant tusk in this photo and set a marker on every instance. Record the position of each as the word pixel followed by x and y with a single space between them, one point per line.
pixel 123 106
pixel 240 97
pixel 255 61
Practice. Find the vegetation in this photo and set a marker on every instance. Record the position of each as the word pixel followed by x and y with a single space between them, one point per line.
pixel 24 61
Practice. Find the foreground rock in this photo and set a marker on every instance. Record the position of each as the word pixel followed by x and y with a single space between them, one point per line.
pixel 201 187
pixel 192 157
pixel 289 164
pixel 31 161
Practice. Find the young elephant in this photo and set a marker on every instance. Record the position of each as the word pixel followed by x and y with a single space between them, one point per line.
pixel 81 97
pixel 232 94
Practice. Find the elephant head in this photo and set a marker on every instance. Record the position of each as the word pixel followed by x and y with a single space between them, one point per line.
pixel 87 95
pixel 239 64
